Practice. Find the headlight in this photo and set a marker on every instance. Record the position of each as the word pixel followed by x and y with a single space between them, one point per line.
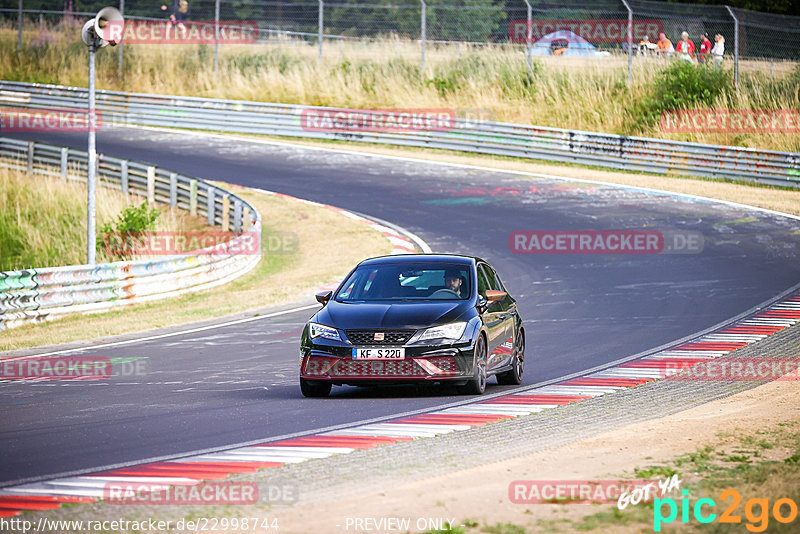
pixel 320 330
pixel 452 331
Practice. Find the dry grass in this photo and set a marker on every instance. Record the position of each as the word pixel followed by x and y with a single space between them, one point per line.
pixel 43 220
pixel 278 278
pixel 578 93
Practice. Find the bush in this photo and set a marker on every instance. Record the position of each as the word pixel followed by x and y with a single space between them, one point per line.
pixel 133 221
pixel 682 85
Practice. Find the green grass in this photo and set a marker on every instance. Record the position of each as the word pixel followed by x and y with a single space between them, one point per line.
pixel 43 220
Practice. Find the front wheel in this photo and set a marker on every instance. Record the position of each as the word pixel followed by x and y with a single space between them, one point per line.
pixel 513 377
pixel 477 384
pixel 314 389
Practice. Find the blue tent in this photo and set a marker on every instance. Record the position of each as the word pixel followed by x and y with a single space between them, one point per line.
pixel 568 41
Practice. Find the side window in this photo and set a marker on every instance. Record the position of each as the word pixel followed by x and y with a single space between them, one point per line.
pixel 494 280
pixel 483 281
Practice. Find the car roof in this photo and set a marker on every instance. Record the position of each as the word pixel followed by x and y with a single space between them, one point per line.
pixel 417 258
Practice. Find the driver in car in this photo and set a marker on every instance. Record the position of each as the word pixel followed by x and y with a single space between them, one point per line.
pixel 452 279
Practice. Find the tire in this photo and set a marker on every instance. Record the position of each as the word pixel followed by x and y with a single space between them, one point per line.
pixel 314 389
pixel 513 377
pixel 477 384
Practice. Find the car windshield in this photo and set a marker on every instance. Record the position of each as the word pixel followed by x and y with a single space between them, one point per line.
pixel 407 282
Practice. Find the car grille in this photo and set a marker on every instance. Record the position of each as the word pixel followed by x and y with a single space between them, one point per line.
pixel 390 337
pixel 338 367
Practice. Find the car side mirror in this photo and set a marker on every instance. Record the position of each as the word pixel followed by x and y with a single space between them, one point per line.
pixel 323 297
pixel 492 295
pixel 481 304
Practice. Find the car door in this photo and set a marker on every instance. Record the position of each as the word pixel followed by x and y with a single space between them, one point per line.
pixel 491 317
pixel 506 314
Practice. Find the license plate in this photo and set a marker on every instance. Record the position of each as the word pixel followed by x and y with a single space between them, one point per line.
pixel 375 353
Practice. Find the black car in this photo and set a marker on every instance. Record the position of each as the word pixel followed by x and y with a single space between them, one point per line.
pixel 411 318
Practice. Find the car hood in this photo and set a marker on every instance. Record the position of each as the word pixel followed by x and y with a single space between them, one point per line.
pixel 368 315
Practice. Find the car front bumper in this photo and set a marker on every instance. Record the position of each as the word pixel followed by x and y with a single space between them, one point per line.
pixel 334 363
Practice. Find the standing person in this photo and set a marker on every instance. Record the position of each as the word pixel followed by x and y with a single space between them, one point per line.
pixel 178 15
pixel 718 50
pixel 705 48
pixel 685 48
pixel 664 46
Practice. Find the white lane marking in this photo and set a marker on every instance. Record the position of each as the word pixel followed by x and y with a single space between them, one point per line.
pixel 427 427
pixel 496 409
pixel 703 354
pixel 62 492
pixel 389 433
pixel 629 372
pixel 593 391
pixel 231 457
pixel 733 338
pixel 169 334
pixel 331 450
pixel 278 451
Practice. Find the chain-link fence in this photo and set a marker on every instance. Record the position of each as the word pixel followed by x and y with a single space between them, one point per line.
pixel 537 28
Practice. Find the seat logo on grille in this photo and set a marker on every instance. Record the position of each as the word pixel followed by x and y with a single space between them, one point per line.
pixel 378 336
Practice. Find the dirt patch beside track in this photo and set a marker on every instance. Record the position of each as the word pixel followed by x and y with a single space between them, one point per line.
pixel 480 494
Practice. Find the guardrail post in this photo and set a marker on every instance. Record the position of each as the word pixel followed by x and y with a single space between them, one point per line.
pixel 151 185
pixel 246 219
pixel 237 215
pixel 210 205
pixel 193 197
pixel 64 160
pixel 31 146
pixel 123 176
pixel 226 213
pixel 173 189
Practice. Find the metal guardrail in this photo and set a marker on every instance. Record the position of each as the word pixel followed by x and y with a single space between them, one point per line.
pixel 35 295
pixel 487 137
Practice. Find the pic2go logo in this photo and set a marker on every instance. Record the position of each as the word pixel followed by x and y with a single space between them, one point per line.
pixel 756 511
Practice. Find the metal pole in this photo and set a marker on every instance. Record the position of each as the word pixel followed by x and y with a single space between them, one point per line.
pixel 422 39
pixel 630 41
pixel 216 35
pixel 19 27
pixel 735 47
pixel 92 162
pixel 119 57
pixel 320 29
pixel 529 39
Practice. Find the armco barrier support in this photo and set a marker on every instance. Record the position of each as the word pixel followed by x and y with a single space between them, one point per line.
pixel 485 137
pixel 35 295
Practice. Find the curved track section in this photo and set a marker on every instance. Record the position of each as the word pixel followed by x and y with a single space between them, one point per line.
pixel 237 384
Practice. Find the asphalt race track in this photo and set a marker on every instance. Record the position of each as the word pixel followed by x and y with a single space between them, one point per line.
pixel 239 383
